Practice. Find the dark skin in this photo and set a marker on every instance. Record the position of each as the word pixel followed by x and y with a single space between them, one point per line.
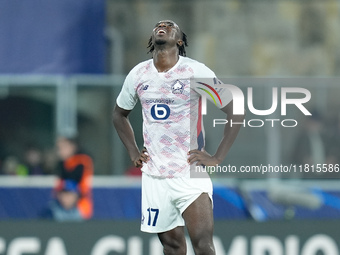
pixel 166 35
pixel 166 38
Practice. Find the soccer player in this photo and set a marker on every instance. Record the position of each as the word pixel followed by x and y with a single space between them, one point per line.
pixel 170 198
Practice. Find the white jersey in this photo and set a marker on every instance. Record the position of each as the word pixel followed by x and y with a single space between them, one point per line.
pixel 171 108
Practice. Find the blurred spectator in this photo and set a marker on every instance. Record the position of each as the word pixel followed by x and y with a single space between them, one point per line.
pixel 12 166
pixel 33 159
pixel 50 161
pixel 73 191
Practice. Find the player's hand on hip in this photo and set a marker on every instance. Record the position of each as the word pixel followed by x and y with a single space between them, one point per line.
pixel 143 157
pixel 202 158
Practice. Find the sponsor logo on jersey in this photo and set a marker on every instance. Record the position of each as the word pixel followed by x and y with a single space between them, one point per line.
pixel 145 87
pixel 160 101
pixel 160 111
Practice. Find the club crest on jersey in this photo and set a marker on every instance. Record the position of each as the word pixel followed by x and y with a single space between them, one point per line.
pixel 177 87
pixel 143 218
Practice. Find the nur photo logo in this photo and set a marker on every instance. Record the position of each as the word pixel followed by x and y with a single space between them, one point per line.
pixel 221 94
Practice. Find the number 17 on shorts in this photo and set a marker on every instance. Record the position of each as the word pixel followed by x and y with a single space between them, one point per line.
pixel 151 217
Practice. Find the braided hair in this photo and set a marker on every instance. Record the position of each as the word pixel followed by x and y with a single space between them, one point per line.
pixel 181 48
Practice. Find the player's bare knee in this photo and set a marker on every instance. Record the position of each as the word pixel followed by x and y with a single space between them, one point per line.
pixel 205 249
pixel 172 250
pixel 173 244
pixel 174 247
pixel 203 246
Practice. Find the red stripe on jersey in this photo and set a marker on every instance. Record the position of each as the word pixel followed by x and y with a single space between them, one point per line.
pixel 199 121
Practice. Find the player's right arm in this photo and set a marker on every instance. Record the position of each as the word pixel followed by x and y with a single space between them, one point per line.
pixel 126 134
pixel 126 101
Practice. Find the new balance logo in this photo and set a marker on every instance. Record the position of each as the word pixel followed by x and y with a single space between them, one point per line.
pixel 145 87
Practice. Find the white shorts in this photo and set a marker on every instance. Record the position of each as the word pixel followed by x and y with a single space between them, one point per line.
pixel 164 200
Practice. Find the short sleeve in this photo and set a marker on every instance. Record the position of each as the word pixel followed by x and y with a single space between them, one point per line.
pixel 127 97
pixel 202 71
pixel 208 85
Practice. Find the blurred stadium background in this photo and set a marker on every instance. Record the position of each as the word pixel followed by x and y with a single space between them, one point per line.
pixel 62 64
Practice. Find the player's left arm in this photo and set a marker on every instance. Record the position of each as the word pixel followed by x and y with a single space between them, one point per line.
pixel 229 136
